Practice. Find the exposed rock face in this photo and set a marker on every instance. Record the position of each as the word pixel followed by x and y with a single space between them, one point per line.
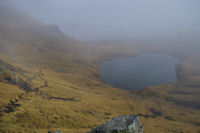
pixel 121 124
pixel 9 73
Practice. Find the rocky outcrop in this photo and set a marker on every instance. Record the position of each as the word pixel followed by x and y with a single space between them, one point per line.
pixel 121 124
pixel 10 74
pixel 5 65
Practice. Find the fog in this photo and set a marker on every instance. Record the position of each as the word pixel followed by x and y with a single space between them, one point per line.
pixel 115 19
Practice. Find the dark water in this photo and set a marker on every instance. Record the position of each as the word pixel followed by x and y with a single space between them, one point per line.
pixel 140 72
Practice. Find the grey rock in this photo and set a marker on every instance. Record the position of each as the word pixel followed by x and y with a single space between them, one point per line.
pixel 121 124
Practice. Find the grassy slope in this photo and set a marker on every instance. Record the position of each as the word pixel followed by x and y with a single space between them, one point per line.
pixel 74 99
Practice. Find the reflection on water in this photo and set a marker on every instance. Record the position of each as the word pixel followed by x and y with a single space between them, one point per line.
pixel 140 72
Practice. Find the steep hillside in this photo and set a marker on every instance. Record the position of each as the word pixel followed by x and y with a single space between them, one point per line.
pixel 50 81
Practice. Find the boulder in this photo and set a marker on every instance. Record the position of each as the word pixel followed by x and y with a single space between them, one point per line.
pixel 121 124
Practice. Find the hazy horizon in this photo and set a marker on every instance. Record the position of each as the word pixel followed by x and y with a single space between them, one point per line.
pixel 112 19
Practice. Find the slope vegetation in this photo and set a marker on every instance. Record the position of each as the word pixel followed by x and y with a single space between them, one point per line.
pixel 50 81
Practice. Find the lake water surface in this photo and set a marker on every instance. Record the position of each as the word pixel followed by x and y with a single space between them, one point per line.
pixel 139 72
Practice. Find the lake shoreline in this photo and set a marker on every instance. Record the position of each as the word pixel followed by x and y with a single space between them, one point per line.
pixel 165 55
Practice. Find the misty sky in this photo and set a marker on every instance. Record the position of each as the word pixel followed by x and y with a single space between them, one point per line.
pixel 104 19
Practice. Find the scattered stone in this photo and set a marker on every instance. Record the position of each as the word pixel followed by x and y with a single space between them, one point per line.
pixel 121 124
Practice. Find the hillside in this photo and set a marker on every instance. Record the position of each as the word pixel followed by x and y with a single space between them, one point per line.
pixel 51 81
